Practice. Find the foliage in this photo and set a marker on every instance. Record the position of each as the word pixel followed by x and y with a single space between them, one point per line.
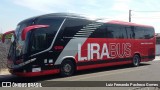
pixel 7 36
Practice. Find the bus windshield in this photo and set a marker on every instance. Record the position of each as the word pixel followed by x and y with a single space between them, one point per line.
pixel 42 38
pixel 17 46
pixel 20 46
pixel 19 42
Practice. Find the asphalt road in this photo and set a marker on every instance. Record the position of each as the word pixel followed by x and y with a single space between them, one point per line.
pixel 148 71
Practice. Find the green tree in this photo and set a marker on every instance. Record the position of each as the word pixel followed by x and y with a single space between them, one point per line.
pixel 7 36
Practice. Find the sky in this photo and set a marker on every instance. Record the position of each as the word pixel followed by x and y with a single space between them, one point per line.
pixel 143 11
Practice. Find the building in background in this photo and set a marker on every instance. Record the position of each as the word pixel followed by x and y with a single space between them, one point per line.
pixel 158 38
pixel 157 43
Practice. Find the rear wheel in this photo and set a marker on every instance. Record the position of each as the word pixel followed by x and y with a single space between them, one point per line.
pixel 67 68
pixel 136 60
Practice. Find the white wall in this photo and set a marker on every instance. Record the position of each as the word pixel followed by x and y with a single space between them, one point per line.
pixel 157 49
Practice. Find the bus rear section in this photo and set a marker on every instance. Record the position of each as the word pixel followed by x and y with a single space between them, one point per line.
pixel 64 43
pixel 116 43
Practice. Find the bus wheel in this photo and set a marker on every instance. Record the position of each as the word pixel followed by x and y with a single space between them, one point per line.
pixel 136 60
pixel 67 68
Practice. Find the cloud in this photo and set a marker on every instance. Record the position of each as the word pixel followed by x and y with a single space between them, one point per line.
pixel 90 8
pixel 45 6
pixel 121 5
pixel 148 18
pixel 110 9
pixel 48 6
pixel 148 5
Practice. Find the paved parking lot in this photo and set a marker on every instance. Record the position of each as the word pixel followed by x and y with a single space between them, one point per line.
pixel 148 71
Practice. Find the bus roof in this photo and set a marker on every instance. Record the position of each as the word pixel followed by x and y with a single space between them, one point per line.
pixel 127 23
pixel 63 15
pixel 73 15
pixel 68 15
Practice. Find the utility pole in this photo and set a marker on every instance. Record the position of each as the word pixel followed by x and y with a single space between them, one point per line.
pixel 130 14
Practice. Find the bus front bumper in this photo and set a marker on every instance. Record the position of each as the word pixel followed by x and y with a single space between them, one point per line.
pixel 32 74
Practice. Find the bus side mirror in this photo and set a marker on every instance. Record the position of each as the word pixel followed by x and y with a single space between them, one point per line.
pixel 30 28
pixel 6 33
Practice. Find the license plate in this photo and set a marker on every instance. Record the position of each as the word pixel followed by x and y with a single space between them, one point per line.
pixel 36 69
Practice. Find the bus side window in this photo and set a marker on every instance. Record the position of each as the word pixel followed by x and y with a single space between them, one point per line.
pixel 72 26
pixel 130 32
pixel 100 32
pixel 113 31
pixel 148 33
pixel 109 32
pixel 39 40
pixel 70 31
pixel 116 31
pixel 139 33
pixel 122 32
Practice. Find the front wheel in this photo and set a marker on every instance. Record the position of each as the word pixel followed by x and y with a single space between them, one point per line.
pixel 136 60
pixel 67 68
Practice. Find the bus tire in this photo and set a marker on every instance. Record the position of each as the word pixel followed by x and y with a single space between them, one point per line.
pixel 67 68
pixel 136 60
